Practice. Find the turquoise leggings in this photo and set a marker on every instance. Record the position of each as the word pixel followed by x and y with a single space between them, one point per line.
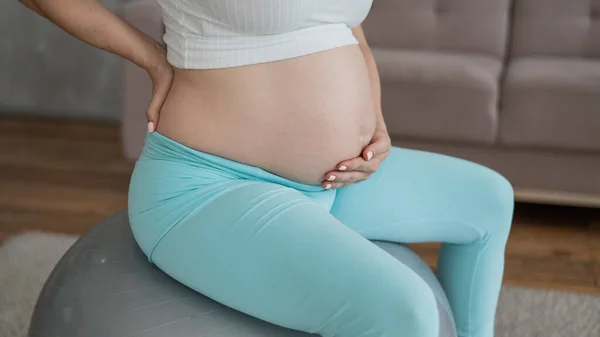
pixel 300 257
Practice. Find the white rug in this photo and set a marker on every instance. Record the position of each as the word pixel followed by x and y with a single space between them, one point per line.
pixel 27 259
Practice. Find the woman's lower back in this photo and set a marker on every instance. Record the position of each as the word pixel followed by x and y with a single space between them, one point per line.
pixel 296 118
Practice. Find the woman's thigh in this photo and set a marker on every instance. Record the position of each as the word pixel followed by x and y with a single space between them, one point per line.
pixel 274 253
pixel 419 196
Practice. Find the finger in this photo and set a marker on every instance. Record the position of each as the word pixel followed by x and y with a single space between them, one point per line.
pixel 154 106
pixel 333 185
pixel 159 96
pixel 153 110
pixel 352 164
pixel 378 145
pixel 345 177
pixel 368 153
pixel 152 115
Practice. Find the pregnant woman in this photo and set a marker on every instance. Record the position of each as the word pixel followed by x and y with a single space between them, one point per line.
pixel 267 168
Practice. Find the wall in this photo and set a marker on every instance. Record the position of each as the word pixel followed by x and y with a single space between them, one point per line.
pixel 45 71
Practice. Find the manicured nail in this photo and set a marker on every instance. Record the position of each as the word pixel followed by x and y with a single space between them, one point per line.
pixel 343 168
pixel 328 186
pixel 369 155
pixel 331 178
pixel 150 126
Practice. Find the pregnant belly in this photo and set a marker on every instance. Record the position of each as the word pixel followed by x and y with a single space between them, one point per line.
pixel 296 118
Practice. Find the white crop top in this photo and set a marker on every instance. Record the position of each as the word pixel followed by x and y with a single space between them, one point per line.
pixel 207 34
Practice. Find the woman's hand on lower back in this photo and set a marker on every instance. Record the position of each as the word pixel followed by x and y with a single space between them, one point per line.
pixel 360 168
pixel 162 78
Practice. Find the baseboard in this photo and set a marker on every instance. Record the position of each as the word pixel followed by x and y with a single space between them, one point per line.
pixel 557 198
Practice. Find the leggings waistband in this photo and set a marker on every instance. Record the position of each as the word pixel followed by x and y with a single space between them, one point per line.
pixel 160 147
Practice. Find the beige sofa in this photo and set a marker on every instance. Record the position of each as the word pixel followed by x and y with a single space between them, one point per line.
pixel 511 84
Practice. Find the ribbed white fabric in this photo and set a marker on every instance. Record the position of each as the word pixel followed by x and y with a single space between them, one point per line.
pixel 207 34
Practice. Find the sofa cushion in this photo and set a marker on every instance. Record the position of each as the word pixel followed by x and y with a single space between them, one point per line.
pixel 439 95
pixel 552 102
pixel 556 28
pixel 477 26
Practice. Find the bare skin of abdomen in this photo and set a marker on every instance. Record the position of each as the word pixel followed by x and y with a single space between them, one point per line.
pixel 297 118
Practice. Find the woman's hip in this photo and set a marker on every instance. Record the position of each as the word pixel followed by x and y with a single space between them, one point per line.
pixel 171 181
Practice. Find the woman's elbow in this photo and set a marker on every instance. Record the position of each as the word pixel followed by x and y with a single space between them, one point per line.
pixel 31 4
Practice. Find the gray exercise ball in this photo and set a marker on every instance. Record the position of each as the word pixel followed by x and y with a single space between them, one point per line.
pixel 104 286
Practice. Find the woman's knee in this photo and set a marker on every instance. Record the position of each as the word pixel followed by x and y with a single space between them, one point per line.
pixel 391 307
pixel 495 201
pixel 418 313
pixel 410 305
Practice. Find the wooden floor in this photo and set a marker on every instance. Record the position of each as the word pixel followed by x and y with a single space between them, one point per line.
pixel 65 176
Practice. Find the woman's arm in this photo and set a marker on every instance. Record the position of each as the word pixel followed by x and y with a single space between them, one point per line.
pixel 91 22
pixel 373 75
pixel 31 5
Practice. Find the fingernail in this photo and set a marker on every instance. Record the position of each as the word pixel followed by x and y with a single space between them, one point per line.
pixel 369 155
pixel 328 186
pixel 150 126
pixel 331 178
pixel 343 168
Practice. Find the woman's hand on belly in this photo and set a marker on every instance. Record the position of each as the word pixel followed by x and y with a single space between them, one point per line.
pixel 360 168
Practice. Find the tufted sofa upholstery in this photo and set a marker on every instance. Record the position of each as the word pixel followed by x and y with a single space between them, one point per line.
pixel 511 84
pixel 552 86
pixel 442 60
